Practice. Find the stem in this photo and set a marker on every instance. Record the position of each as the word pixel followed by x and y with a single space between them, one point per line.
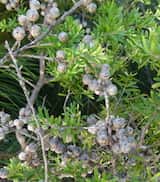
pixel 107 105
pixel 22 84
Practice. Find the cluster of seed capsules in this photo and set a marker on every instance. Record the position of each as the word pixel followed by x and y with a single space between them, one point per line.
pixel 4 124
pixel 113 133
pixel 48 9
pixel 10 4
pixel 102 84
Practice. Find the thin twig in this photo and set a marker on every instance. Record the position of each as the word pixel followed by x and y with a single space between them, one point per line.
pixel 40 82
pixel 107 105
pixel 22 84
pixel 66 100
pixel 44 34
pixel 35 57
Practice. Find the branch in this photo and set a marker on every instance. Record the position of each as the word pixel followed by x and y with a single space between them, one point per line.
pixel 44 34
pixel 35 57
pixel 40 82
pixel 30 105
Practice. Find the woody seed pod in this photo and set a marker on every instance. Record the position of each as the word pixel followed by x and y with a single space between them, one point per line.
pixel 3 173
pixel 22 19
pixel 22 156
pixel 31 148
pixel 35 31
pixel 34 4
pixel 60 54
pixel 32 15
pixel 63 36
pixel 19 33
pixel 61 67
pixel 111 90
pixel 4 1
pixel 87 78
pixel 91 8
pixel 54 13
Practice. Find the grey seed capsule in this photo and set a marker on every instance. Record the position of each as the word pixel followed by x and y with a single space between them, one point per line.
pixel 92 129
pixel 125 147
pixel 88 40
pixel 18 123
pixel 61 67
pixel 5 118
pixel 111 90
pixel 63 36
pixel 129 130
pixel 35 162
pixel 75 151
pixel 93 85
pixel 87 78
pixel 22 19
pixel 18 33
pixel 91 119
pixel 9 7
pixel 102 137
pixel 60 54
pixel 54 12
pixel 4 1
pixel 118 123
pixel 84 157
pixel 22 111
pixel 32 15
pixel 104 73
pixel 116 148
pixel 86 2
pixel 91 8
pixel 3 173
pixel 22 156
pixel 35 31
pixel 31 127
pixel 34 4
pixel 31 148
pixel 59 149
pixel 2 134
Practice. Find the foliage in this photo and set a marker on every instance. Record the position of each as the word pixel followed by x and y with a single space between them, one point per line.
pixel 127 37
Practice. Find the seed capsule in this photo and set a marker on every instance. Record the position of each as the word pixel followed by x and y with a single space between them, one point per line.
pixel 86 2
pixel 4 1
pixel 60 55
pixel 8 7
pixel 35 162
pixel 22 156
pixel 34 4
pixel 54 13
pixel 118 123
pixel 61 67
pixel 88 40
pixel 31 148
pixel 93 85
pixel 87 78
pixel 22 19
pixel 111 90
pixel 32 15
pixel 102 137
pixel 35 31
pixel 2 134
pixel 63 36
pixel 116 148
pixel 19 33
pixel 91 119
pixel 91 8
pixel 104 73
pixel 3 173
pixel 18 123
